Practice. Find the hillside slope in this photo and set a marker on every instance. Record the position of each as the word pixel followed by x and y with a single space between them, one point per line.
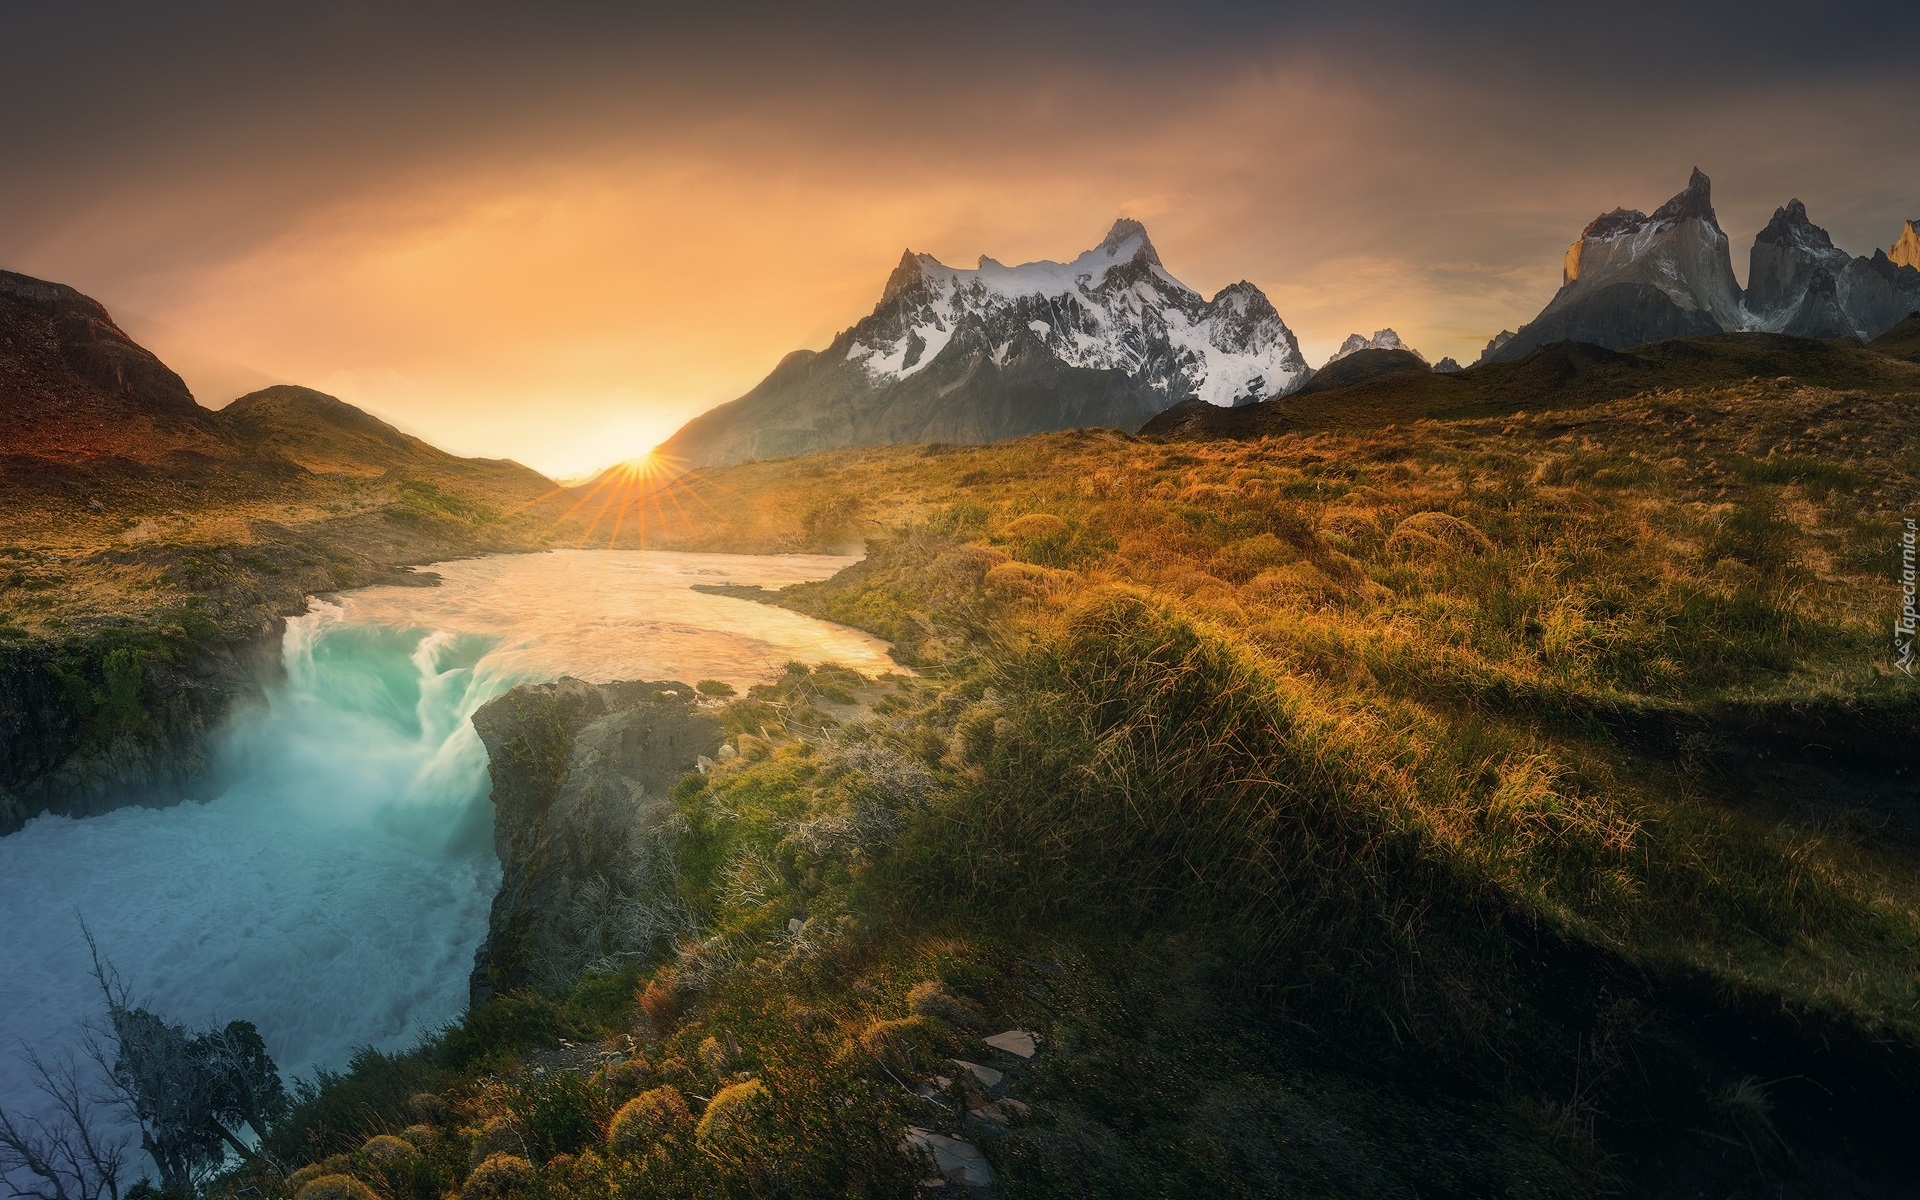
pixel 1503 794
pixel 149 547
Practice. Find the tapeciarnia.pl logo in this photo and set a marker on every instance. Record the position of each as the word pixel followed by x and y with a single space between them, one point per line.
pixel 1903 626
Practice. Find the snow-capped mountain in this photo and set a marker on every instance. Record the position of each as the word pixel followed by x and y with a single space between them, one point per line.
pixel 1382 339
pixel 1631 278
pixel 971 355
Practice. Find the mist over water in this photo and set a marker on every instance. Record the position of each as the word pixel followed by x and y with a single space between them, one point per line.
pixel 335 891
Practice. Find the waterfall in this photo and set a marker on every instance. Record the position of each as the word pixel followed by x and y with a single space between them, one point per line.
pixel 335 891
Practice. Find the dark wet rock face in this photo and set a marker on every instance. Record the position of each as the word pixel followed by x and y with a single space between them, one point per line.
pixel 584 824
pixel 142 733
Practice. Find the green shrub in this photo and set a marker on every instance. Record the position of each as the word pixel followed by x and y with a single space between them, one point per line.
pixel 557 1113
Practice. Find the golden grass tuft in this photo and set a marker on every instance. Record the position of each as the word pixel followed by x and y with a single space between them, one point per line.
pixel 335 1187
pixel 735 1119
pixel 497 1177
pixel 644 1120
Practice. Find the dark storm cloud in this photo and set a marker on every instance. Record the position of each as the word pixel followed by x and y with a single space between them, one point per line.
pixel 284 99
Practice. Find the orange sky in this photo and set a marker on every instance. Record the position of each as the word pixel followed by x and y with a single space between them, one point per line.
pixel 566 283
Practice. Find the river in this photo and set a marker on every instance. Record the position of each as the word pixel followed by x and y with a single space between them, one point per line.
pixel 335 891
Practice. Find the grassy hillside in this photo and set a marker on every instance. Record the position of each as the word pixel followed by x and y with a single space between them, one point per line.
pixel 1516 803
pixel 306 494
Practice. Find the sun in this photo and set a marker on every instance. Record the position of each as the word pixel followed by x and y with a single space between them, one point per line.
pixel 633 498
pixel 649 468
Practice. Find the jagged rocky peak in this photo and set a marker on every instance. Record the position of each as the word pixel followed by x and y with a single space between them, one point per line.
pixel 1600 244
pixel 1694 202
pixel 904 276
pixel 1906 248
pixel 1801 283
pixel 1495 343
pixel 1114 307
pixel 1631 278
pixel 1108 338
pixel 1382 339
pixel 1792 277
pixel 1790 227
pixel 1447 366
pixel 1127 241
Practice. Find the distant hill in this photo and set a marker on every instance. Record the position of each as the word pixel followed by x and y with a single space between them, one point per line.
pixel 1902 341
pixel 74 386
pixel 1357 366
pixel 89 417
pixel 325 435
pixel 957 355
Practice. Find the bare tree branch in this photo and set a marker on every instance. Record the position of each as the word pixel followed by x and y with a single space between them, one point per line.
pixel 72 1155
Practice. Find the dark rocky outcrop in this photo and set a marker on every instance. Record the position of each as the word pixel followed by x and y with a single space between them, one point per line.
pixel 584 824
pixel 85 729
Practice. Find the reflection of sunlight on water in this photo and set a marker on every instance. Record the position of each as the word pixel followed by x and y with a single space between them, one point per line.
pixel 335 892
pixel 604 615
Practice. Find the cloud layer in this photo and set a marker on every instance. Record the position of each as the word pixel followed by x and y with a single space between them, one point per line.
pixel 555 235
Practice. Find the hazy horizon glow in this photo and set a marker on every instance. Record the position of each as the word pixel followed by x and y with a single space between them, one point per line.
pixel 557 238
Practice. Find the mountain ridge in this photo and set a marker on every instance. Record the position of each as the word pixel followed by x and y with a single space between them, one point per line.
pixel 1630 279
pixel 1109 338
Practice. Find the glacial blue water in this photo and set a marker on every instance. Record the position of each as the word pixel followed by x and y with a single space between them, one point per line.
pixel 335 892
